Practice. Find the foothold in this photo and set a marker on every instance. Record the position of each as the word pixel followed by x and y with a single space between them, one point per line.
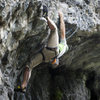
pixel 87 1
pixel 5 58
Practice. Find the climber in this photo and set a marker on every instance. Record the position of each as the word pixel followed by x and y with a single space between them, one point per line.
pixel 53 50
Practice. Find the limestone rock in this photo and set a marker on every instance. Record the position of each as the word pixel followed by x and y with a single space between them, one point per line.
pixel 23 31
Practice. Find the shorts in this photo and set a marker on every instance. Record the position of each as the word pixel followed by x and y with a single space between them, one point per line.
pixel 49 54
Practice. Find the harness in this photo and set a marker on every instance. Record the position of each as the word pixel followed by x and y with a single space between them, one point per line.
pixel 52 49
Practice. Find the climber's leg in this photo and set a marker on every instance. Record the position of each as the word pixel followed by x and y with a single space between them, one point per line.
pixel 36 60
pixel 53 40
pixel 26 77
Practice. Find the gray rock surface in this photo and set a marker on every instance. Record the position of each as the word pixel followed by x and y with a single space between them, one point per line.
pixel 23 31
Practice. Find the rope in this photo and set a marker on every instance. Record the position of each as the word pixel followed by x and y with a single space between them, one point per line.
pixel 72 33
pixel 68 31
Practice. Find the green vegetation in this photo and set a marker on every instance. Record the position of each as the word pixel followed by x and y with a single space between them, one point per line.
pixel 58 94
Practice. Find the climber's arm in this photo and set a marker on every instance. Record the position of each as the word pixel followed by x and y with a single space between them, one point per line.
pixel 51 24
pixel 63 47
pixel 62 25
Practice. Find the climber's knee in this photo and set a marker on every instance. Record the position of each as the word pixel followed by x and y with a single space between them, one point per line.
pixel 27 68
pixel 54 28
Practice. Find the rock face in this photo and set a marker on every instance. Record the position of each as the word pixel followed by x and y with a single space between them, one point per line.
pixel 23 31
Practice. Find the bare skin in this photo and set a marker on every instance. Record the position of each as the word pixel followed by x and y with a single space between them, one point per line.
pixel 26 77
pixel 51 24
pixel 62 25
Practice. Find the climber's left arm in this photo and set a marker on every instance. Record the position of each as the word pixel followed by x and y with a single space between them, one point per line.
pixel 62 25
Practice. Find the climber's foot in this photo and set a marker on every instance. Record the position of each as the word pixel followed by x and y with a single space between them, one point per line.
pixel 45 11
pixel 20 89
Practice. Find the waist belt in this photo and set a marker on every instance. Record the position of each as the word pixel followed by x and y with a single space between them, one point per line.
pixel 53 49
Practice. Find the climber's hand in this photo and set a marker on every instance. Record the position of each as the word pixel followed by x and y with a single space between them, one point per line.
pixel 60 14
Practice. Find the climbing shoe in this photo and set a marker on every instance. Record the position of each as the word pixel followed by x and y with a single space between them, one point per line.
pixel 45 11
pixel 20 89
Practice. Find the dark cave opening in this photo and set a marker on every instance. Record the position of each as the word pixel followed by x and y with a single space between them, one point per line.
pixel 93 95
pixel 5 58
pixel 90 85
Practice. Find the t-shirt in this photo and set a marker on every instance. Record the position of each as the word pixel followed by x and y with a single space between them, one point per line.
pixel 63 47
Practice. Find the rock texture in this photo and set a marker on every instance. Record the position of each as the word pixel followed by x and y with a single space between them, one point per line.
pixel 23 31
